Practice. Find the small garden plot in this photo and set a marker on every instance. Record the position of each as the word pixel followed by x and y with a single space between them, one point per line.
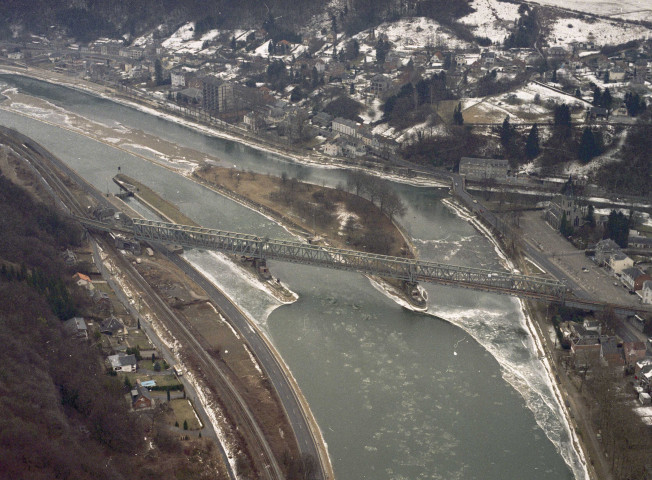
pixel 163 382
pixel 184 412
pixel 137 338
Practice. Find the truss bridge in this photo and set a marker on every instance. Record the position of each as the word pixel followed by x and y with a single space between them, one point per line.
pixel 406 269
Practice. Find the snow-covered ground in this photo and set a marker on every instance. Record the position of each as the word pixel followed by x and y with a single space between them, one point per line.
pixel 491 19
pixel 182 41
pixel 628 9
pixel 410 34
pixel 564 31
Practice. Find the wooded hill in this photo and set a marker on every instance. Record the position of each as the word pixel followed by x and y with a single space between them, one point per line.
pixel 62 415
pixel 86 20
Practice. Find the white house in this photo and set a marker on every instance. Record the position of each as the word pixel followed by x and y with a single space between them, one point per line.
pixel 646 292
pixel 333 149
pixel 123 363
pixel 177 79
pixel 619 262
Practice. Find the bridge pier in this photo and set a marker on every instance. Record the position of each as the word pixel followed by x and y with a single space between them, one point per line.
pixel 414 293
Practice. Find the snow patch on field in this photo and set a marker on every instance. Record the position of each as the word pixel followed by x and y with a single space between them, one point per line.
pixel 604 32
pixel 491 19
pixel 182 41
pixel 629 9
pixel 413 33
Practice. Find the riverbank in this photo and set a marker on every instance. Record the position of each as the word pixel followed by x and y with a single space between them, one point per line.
pixel 311 157
pixel 538 326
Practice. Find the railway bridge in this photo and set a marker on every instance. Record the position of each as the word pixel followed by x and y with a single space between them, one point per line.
pixel 406 269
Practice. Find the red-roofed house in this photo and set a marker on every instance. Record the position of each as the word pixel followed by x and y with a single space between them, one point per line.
pixel 634 351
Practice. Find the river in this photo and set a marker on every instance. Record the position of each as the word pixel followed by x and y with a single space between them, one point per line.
pixel 397 394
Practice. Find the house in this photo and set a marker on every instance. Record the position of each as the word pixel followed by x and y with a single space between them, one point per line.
pixel 642 364
pixel 111 326
pixel 334 149
pixel 579 332
pixel 634 352
pixel 644 377
pixel 253 121
pixel 276 112
pixel 599 113
pixel 634 278
pixel 586 352
pixel 611 353
pixel 604 249
pixel 617 74
pixel 354 149
pixel 177 79
pixel 592 326
pixel 646 292
pixel 618 262
pixel 320 66
pixel 123 362
pixel 370 140
pixel 322 119
pixel 557 52
pixel 483 168
pixel 141 399
pixel 83 281
pixel 379 84
pixel 69 257
pixel 637 241
pixel 191 95
pixel 76 327
pixel 488 58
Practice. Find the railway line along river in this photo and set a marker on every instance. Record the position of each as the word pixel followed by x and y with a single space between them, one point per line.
pixel 458 392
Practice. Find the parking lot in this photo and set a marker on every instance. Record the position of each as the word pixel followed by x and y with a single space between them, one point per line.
pixel 595 280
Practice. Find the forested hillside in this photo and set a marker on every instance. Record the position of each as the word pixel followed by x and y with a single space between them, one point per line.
pixel 62 415
pixel 87 20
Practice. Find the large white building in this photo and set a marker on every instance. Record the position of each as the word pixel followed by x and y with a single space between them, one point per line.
pixel 483 168
pixel 345 127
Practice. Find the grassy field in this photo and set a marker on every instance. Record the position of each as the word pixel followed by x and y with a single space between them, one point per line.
pixel 138 338
pixel 183 410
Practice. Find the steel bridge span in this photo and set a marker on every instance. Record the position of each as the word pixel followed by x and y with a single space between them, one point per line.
pixel 409 270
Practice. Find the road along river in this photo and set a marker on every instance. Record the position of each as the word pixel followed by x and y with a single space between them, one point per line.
pixel 397 395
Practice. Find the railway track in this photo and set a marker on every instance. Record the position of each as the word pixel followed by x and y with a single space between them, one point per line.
pixel 39 159
pixel 266 462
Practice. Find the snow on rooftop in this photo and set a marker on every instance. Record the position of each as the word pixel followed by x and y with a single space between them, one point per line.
pixel 263 50
pixel 567 30
pixel 491 19
pixel 528 93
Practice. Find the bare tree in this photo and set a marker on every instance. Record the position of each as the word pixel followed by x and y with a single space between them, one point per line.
pixel 356 180
pixel 391 204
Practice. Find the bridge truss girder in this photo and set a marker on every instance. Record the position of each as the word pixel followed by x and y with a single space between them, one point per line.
pixel 372 264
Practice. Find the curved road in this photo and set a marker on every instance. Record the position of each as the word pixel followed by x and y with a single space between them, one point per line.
pixel 307 439
pixel 270 363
